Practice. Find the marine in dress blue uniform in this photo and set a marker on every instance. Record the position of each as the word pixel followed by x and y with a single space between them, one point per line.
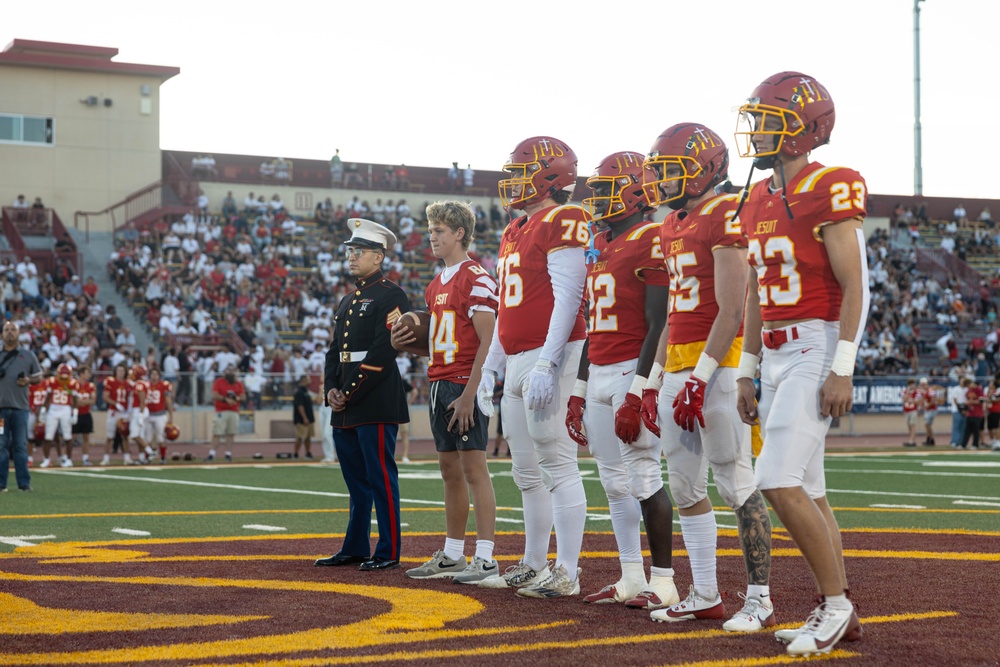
pixel 363 386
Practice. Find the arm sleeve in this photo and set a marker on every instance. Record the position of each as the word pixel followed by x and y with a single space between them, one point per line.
pixel 568 272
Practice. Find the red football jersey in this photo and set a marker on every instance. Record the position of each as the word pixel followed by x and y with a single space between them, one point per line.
pixel 616 292
pixel 688 240
pixel 795 281
pixel 927 398
pixel 911 399
pixel 37 393
pixel 116 391
pixel 974 401
pixel 526 299
pixel 156 399
pixel 139 387
pixel 995 400
pixel 60 391
pixel 85 392
pixel 453 340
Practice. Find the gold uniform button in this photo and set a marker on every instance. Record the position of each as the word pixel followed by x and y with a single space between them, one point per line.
pixel 345 346
pixel 354 384
pixel 350 312
pixel 358 293
pixel 346 334
pixel 348 323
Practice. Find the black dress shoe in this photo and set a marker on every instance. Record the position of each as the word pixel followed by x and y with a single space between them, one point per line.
pixel 379 564
pixel 337 560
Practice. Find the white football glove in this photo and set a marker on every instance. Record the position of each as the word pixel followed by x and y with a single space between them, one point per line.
pixel 74 416
pixel 484 394
pixel 541 385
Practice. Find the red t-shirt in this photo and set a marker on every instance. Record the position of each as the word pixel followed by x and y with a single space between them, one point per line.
pixel 972 400
pixel 223 386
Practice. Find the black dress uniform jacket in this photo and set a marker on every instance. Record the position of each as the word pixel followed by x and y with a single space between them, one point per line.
pixel 361 361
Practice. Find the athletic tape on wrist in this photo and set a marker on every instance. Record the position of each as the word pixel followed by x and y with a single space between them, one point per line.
pixel 843 359
pixel 748 365
pixel 638 384
pixel 580 389
pixel 655 380
pixel 705 368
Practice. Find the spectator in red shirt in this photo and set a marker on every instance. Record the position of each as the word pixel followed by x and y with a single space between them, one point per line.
pixel 90 289
pixel 227 393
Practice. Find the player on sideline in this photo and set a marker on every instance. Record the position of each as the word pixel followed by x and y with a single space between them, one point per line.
pixel 160 402
pixel 539 336
pixel 627 288
pixel 706 256
pixel 806 304
pixel 86 395
pixel 462 301
pixel 59 413
pixel 116 390
pixel 140 413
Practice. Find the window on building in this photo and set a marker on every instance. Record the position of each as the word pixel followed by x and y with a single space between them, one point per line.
pixel 18 129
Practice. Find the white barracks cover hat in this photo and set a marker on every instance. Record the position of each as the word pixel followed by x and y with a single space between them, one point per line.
pixel 368 234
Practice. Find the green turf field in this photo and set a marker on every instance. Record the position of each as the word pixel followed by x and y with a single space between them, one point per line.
pixel 912 490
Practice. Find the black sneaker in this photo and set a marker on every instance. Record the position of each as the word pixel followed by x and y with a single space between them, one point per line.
pixel 23 488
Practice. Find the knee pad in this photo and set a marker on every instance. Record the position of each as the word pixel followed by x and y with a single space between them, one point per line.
pixel 526 479
pixel 616 482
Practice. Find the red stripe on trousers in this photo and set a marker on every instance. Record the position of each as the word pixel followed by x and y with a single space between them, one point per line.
pixel 393 535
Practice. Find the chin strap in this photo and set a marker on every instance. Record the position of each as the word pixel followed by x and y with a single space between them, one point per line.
pixel 591 253
pixel 784 187
pixel 745 193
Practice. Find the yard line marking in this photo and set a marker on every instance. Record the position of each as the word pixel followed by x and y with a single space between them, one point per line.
pixel 24 540
pixel 599 517
pixel 234 487
pixel 261 526
pixel 130 531
pixel 962 464
pixel 917 473
pixel 501 519
pixel 912 495
pixel 967 502
pixel 899 507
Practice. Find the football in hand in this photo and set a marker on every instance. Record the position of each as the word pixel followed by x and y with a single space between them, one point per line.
pixel 419 322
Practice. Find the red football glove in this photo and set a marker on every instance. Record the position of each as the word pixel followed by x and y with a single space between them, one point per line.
pixel 689 403
pixel 574 420
pixel 650 400
pixel 628 423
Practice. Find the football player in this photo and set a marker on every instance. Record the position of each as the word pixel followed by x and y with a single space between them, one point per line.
pixel 627 289
pixel 139 389
pixel 37 393
pixel 116 390
pixel 160 402
pixel 928 408
pixel 463 302
pixel 58 414
pixel 911 399
pixel 705 253
pixel 806 306
pixel 538 339
pixel 86 394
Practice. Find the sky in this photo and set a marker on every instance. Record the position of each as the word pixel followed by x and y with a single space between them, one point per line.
pixel 432 82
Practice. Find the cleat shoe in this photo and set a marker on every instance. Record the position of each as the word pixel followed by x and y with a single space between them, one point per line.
pixel 650 599
pixel 210 457
pixel 823 629
pixel 607 595
pixel 517 576
pixel 909 444
pixel 557 585
pixel 229 457
pixel 438 567
pixel 66 463
pixel 106 461
pixel 756 614
pixel 45 463
pixel 692 608
pixel 87 463
pixel 854 632
pixel 478 570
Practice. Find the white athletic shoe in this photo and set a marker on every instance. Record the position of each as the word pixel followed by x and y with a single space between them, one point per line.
pixel 556 585
pixel 756 614
pixel 66 463
pixel 106 460
pixel 823 629
pixel 517 576
pixel 45 463
pixel 693 608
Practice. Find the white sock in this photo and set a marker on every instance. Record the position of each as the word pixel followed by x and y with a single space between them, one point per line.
pixel 839 602
pixel 537 506
pixel 569 514
pixel 625 517
pixel 700 538
pixel 454 549
pixel 484 550
pixel 762 593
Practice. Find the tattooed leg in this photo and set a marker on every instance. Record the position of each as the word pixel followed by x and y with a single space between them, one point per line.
pixel 754 525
